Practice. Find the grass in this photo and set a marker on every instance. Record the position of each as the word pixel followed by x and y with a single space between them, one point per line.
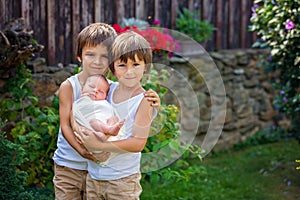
pixel 263 172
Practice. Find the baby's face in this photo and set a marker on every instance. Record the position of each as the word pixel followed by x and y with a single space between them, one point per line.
pixel 96 88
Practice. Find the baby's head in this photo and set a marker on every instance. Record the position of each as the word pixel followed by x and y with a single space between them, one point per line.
pixel 96 87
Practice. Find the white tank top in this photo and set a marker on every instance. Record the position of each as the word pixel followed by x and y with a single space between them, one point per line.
pixel 121 164
pixel 65 154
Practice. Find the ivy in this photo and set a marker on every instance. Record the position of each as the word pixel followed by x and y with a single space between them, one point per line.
pixel 278 25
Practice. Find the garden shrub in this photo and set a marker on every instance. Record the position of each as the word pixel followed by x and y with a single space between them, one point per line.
pixel 12 179
pixel 35 128
pixel 277 24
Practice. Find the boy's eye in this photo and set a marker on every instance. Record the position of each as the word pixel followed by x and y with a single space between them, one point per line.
pixel 121 65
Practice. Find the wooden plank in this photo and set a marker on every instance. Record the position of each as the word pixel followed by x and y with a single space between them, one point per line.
pixel 67 33
pixel 237 23
pixel 190 5
pixel 60 31
pixel 232 15
pixel 15 11
pixel 225 29
pixel 25 12
pixel 109 11
pixel 164 16
pixel 98 15
pixel 2 14
pixel 219 24
pixel 149 10
pixel 75 26
pixel 139 9
pixel 174 9
pixel 51 32
pixel 129 7
pixel 84 13
pixel 120 11
pixel 244 26
pixel 41 32
pixel 156 10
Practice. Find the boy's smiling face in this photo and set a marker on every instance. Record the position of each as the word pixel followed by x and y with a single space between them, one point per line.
pixel 94 59
pixel 131 72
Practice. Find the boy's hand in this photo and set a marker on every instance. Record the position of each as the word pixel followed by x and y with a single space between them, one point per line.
pixel 88 155
pixel 153 97
pixel 102 157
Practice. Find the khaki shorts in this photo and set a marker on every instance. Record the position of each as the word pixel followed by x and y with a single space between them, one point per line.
pixel 69 183
pixel 127 188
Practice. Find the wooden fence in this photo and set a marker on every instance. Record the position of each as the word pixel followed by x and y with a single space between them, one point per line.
pixel 56 23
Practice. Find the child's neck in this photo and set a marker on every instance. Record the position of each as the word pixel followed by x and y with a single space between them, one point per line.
pixel 130 90
pixel 82 78
pixel 123 93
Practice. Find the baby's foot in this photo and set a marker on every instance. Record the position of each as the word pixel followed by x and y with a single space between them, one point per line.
pixel 114 130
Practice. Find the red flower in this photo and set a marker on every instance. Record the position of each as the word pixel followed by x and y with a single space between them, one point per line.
pixel 117 28
pixel 159 40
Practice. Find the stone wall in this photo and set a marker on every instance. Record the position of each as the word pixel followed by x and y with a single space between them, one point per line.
pixel 248 93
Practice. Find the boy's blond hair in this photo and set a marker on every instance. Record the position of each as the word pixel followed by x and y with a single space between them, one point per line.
pixel 127 45
pixel 93 35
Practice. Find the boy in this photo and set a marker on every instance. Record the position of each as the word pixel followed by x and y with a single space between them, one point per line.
pixel 119 178
pixel 71 158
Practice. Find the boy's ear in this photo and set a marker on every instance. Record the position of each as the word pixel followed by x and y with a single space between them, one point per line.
pixel 78 58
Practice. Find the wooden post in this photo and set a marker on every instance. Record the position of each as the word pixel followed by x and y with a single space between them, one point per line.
pixel 156 9
pixel 232 15
pixel 139 9
pixel 51 31
pixel 244 27
pixel 174 9
pixel 25 12
pixel 97 10
pixel 120 10
pixel 2 13
pixel 75 25
pixel 219 24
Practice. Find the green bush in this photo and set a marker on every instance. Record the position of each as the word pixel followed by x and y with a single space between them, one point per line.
pixel 164 141
pixel 12 178
pixel 278 25
pixel 188 23
pixel 35 128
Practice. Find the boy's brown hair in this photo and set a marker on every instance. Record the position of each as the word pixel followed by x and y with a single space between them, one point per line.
pixel 127 45
pixel 94 34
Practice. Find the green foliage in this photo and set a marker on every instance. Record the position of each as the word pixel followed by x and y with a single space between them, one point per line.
pixel 278 25
pixel 164 141
pixel 258 172
pixel 264 136
pixel 12 179
pixel 35 128
pixel 190 24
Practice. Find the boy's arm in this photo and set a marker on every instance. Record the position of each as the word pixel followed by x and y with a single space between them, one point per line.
pixel 136 143
pixel 65 110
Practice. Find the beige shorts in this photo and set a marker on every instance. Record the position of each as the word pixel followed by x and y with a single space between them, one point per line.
pixel 69 183
pixel 127 188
